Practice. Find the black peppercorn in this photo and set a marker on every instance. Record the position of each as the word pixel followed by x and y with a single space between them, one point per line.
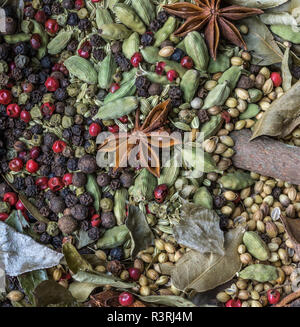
pixel 45 238
pixel 115 184
pixel 67 224
pixel 116 254
pixel 57 204
pixel 103 179
pixel 79 179
pixel 127 179
pixel 94 233
pixel 72 164
pixel 71 200
pixel 40 227
pixel 108 220
pixel 87 164
pixel 86 199
pixel 79 212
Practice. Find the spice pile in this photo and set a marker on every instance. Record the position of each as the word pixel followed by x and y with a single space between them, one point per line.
pixel 71 70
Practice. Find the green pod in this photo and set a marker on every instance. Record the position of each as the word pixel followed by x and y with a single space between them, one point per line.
pixel 175 66
pixel 286 32
pixel 103 17
pixel 117 108
pixel 196 48
pixel 15 38
pixel 126 89
pixel 231 76
pixel 250 112
pixel 57 44
pixel 129 18
pixel 150 55
pixel 189 84
pixel 120 198
pixel 181 46
pixel 113 237
pixel 203 198
pixel 155 78
pixel 169 174
pixel 163 33
pixel 131 45
pixel 255 95
pixel 145 9
pixel 211 127
pixel 256 246
pixel 236 181
pixel 82 69
pixel 259 273
pixel 127 76
pixel 217 96
pixel 143 187
pixel 39 29
pixel 114 31
pixel 221 64
pixel 106 71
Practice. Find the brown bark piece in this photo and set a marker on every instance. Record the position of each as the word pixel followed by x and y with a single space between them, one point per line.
pixel 267 157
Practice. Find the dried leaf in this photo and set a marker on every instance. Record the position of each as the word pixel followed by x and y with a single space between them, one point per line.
pixel 282 117
pixel 199 229
pixel 101 279
pixel 30 281
pixel 83 239
pixel 292 227
pixel 169 300
pixel 140 232
pixel 21 254
pixel 286 74
pixel 283 18
pixel 261 41
pixel 93 188
pixel 17 221
pixel 203 272
pixel 258 3
pixel 81 291
pixel 74 260
pixel 50 293
pixel 113 237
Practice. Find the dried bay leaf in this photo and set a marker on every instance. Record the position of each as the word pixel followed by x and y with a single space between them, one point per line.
pixel 282 117
pixel 17 221
pixel 101 279
pixel 140 232
pixel 292 227
pixel 260 41
pixel 286 73
pixel 203 272
pixel 74 260
pixel 83 239
pixel 199 229
pixel 81 291
pixel 257 3
pixel 283 18
pixel 93 188
pixel 168 300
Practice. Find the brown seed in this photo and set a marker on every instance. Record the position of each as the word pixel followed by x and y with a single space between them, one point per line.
pixel 152 274
pixel 271 229
pixel 246 258
pixel 15 296
pixel 139 265
pixel 57 273
pixel 143 281
pixel 145 291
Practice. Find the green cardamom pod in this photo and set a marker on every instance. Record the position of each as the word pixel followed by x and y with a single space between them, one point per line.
pixel 286 32
pixel 120 199
pixel 129 18
pixel 169 173
pixel 250 112
pixel 231 76
pixel 236 181
pixel 57 44
pixel 256 246
pixel 143 187
pixel 189 84
pixel 106 71
pixel 217 96
pixel 15 38
pixel 131 45
pixel 196 48
pixel 221 64
pixel 255 95
pixel 259 273
pixel 163 33
pixel 103 17
pixel 126 89
pixel 211 127
pixel 82 69
pixel 113 237
pixel 114 31
pixel 203 198
pixel 145 9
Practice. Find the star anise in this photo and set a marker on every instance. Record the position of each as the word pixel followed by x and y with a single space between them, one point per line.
pixel 216 19
pixel 144 141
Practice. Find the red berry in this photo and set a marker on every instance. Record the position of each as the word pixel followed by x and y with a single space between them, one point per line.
pixel 58 146
pixel 113 129
pixel 25 116
pixel 187 62
pixel 226 116
pixel 79 4
pixel 233 303
pixel 11 198
pixel 134 273
pixel 56 67
pixel 114 87
pixel 40 16
pixel 51 26
pixel 5 97
pixel 36 41
pixel 42 182
pixel 52 84
pixel 47 109
pixel 35 152
pixel 22 155
pixel 172 75
pixel 16 164
pixel 67 179
pixel 124 119
pixel 27 87
pixel 160 66
pixel 20 206
pixel 83 53
pixel 136 59
pixel 160 193
pixel 3 216
pixel 94 129
pixel 32 166
pixel 273 296
pixel 13 110
pixel 55 184
pixel 95 220
pixel 126 299
pixel 276 79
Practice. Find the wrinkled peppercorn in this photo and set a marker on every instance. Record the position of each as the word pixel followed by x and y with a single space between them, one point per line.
pixel 87 164
pixel 79 212
pixel 86 199
pixel 57 204
pixel 108 220
pixel 94 233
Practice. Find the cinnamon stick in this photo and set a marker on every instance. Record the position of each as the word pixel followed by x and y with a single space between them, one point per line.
pixel 267 156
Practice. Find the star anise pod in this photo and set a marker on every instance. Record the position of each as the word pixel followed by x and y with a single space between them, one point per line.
pixel 216 19
pixel 144 141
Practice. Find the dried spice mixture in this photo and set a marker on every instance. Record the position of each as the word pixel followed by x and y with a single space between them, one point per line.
pixel 80 80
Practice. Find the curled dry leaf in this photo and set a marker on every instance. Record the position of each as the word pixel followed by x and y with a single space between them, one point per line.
pixel 199 229
pixel 81 291
pixel 283 18
pixel 140 232
pixel 260 41
pixel 93 188
pixel 282 117
pixel 292 227
pixel 168 300
pixel 203 272
pixel 286 73
pixel 257 3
